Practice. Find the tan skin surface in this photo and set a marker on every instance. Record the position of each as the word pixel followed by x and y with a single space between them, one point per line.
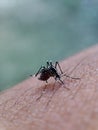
pixel 58 108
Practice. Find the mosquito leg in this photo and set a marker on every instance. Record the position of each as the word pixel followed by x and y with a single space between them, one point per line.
pixel 70 77
pixel 38 71
pixel 39 96
pixel 62 83
pixel 46 81
pixel 51 63
pixel 57 63
pixel 54 91
pixel 65 87
pixel 74 69
pixel 47 64
pixel 42 92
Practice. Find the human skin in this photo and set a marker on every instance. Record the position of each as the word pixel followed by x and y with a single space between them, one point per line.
pixel 27 106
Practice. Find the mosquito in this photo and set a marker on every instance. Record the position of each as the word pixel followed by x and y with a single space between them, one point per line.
pixel 51 70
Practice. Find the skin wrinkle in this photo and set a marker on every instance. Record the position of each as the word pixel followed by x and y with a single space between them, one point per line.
pixel 74 109
pixel 14 103
pixel 17 102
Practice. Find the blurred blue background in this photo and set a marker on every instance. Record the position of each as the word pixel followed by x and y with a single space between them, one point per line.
pixel 34 31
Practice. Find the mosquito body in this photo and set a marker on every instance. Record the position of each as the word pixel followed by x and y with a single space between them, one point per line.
pixel 50 71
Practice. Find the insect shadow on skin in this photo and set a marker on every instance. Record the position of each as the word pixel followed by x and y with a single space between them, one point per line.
pixel 50 70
